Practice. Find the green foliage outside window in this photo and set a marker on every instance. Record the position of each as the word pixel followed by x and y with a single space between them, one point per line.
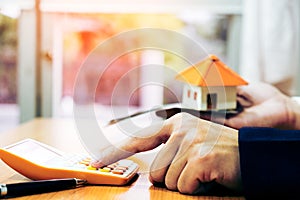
pixel 8 57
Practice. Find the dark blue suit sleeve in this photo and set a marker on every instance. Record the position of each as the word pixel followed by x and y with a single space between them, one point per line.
pixel 270 162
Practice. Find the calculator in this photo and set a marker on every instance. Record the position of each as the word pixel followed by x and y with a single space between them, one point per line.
pixel 38 161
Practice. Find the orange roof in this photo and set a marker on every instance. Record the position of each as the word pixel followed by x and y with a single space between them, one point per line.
pixel 210 72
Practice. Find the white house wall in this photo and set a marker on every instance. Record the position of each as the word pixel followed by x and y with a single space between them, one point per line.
pixel 190 102
pixel 226 97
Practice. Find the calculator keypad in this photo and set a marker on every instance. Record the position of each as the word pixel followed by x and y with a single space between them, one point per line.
pixel 122 167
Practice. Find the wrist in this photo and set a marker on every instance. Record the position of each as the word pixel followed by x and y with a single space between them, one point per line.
pixel 293 107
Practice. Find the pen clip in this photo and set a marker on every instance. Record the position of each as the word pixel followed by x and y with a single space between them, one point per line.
pixel 3 190
pixel 80 182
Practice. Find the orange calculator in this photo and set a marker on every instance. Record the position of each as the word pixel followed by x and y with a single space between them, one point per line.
pixel 38 161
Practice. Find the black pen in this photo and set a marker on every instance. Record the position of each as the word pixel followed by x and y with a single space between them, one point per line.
pixel 38 187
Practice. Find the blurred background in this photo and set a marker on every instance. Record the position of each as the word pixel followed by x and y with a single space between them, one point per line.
pixel 43 44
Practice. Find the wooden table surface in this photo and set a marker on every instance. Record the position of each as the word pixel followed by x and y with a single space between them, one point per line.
pixel 61 133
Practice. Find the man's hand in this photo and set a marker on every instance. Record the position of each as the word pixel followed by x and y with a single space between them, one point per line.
pixel 196 152
pixel 264 106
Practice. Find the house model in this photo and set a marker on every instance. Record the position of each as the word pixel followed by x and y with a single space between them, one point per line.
pixel 210 85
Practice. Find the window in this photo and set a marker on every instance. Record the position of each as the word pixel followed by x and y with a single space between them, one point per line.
pixel 88 30
pixel 195 96
pixel 66 26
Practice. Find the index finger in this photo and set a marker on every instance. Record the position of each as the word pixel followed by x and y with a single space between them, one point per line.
pixel 143 140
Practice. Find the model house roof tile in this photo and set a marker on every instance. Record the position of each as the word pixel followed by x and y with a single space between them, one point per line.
pixel 211 72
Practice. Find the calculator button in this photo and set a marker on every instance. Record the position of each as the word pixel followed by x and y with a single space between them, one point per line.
pixel 91 168
pixel 112 166
pixel 105 169
pixel 121 168
pixel 86 163
pixel 116 171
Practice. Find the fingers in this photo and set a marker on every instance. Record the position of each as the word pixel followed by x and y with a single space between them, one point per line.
pixel 143 140
pixel 255 93
pixel 163 160
pixel 177 165
pixel 244 101
pixel 188 182
pixel 110 155
pixel 245 96
pixel 195 179
pixel 171 160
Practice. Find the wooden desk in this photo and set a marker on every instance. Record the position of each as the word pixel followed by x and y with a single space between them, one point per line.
pixel 61 133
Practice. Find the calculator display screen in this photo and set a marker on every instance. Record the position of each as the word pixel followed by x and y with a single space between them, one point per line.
pixel 34 152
